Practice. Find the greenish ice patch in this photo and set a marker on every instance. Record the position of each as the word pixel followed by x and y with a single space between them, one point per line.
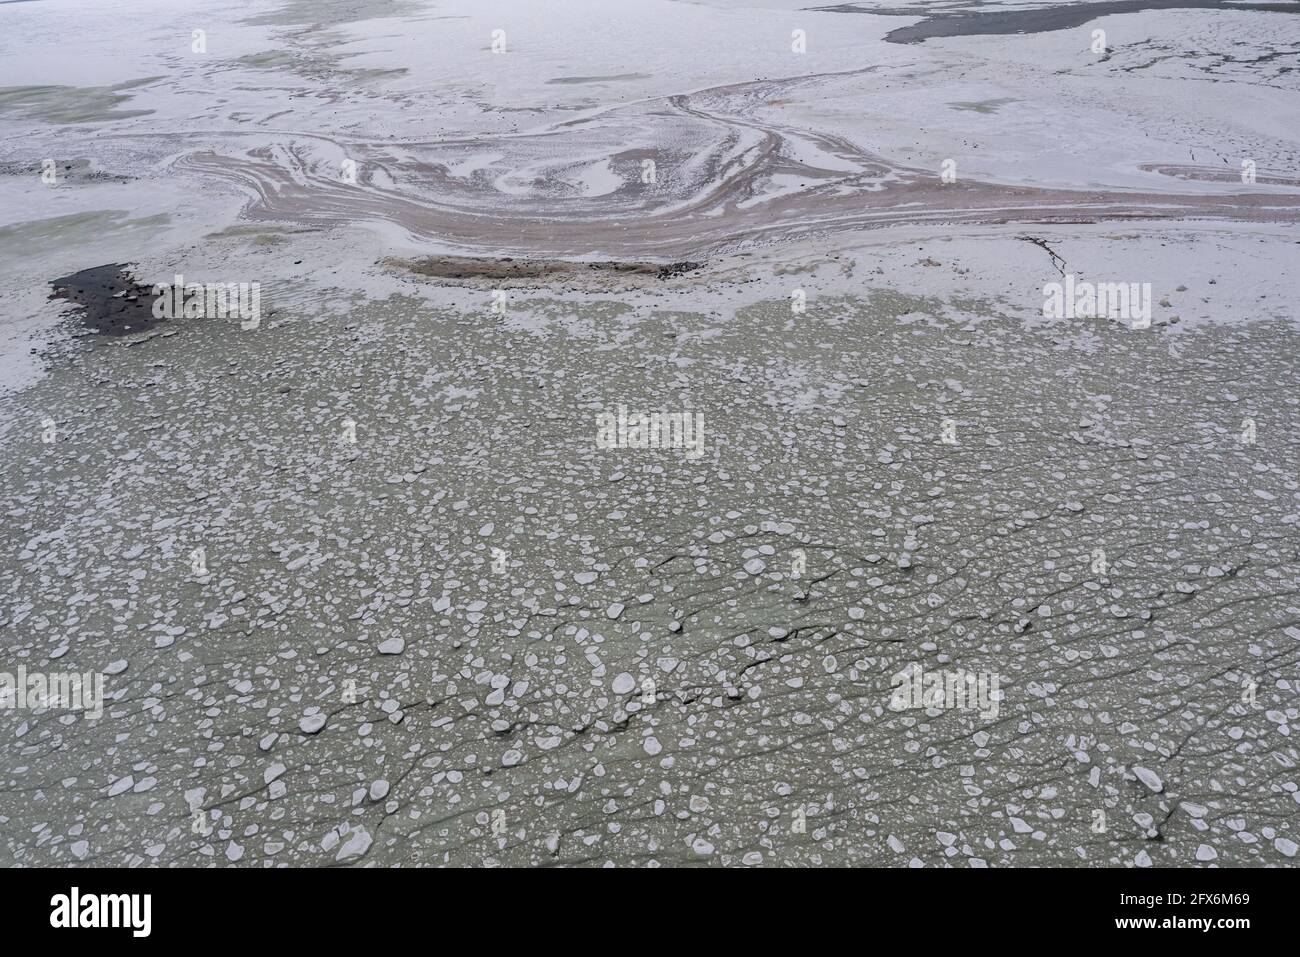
pixel 323 13
pixel 268 60
pixel 31 240
pixel 316 66
pixel 599 79
pixel 71 104
pixel 983 106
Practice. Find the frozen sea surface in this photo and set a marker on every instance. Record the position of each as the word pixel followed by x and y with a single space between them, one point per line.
pixel 367 585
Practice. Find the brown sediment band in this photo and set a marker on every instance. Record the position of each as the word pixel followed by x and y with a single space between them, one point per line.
pixel 713 220
pixel 683 177
pixel 506 268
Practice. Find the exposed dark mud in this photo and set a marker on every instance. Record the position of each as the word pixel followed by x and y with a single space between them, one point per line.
pixel 110 301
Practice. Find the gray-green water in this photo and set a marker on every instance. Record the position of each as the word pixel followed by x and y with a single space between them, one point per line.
pixel 358 583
